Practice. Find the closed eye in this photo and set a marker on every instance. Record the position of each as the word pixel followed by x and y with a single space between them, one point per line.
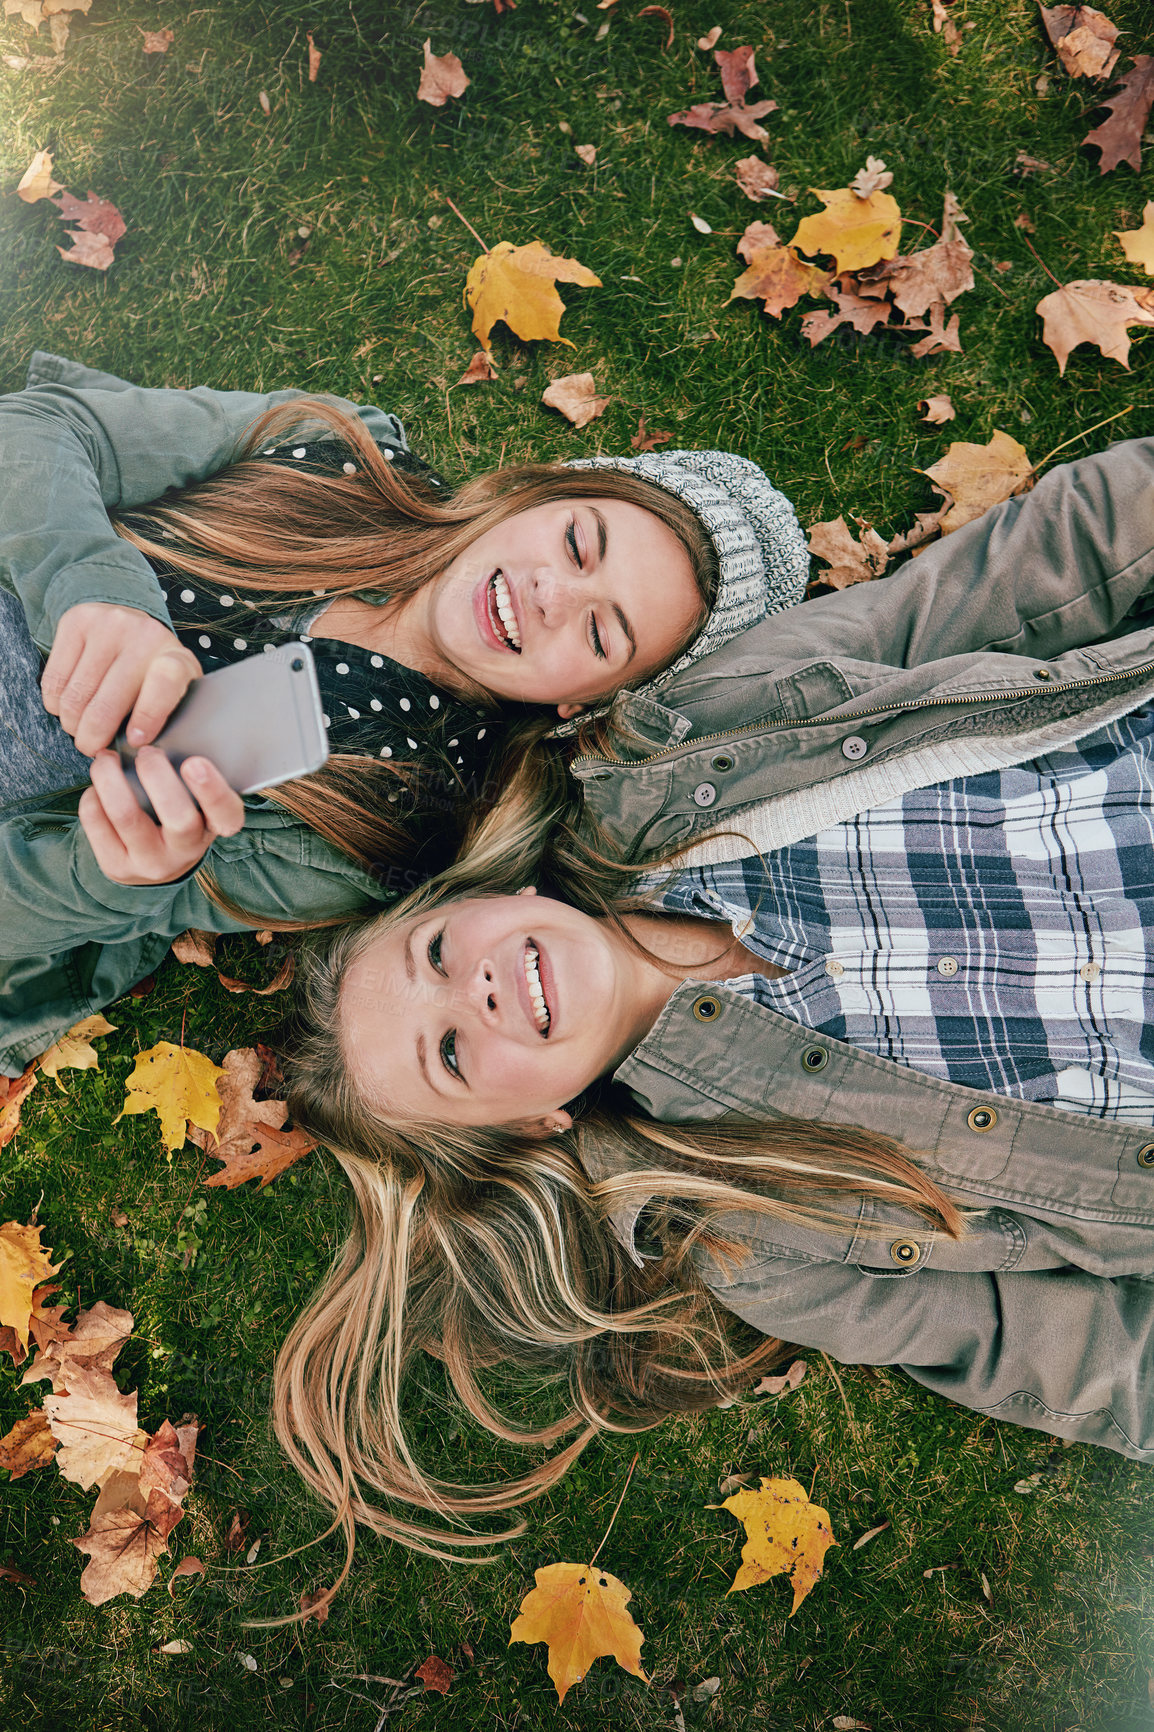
pixel 448 1051
pixel 571 543
pixel 434 950
pixel 595 639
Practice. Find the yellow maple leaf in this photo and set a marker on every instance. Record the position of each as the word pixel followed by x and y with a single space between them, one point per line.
pixel 580 1611
pixel 974 477
pixel 23 1266
pixel 179 1085
pixel 73 1051
pixel 856 231
pixel 1138 244
pixel 787 1535
pixel 516 284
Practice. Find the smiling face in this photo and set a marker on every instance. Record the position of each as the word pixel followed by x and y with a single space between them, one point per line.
pixel 565 604
pixel 491 1011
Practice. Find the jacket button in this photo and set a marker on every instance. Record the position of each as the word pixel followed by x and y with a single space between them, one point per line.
pixel 722 762
pixel 1043 674
pixel 814 1058
pixel 1089 971
pixel 834 968
pixel 905 1251
pixel 704 794
pixel 1145 1155
pixel 706 1009
pixel 854 747
pixel 982 1119
pixel 948 965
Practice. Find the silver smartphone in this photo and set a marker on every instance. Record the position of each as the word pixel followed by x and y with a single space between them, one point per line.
pixel 260 721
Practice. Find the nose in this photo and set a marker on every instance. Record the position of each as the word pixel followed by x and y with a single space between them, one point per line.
pixel 483 990
pixel 554 595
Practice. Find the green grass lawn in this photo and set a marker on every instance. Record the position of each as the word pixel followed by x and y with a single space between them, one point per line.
pixel 978 1606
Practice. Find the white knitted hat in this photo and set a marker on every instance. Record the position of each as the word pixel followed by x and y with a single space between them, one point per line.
pixel 761 552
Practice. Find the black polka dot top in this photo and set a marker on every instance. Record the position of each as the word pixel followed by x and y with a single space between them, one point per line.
pixel 373 706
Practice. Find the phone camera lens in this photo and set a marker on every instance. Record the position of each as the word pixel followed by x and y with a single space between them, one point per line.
pixel 297 665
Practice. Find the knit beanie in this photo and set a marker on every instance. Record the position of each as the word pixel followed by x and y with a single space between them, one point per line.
pixel 761 552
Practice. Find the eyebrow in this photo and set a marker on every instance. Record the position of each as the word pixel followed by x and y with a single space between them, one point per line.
pixel 410 965
pixel 602 544
pixel 628 630
pixel 421 1060
pixel 602 532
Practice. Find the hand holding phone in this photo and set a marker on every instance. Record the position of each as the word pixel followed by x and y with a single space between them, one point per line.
pixel 107 661
pixel 192 809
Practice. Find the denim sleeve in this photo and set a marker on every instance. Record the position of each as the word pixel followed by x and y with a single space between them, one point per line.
pixel 77 444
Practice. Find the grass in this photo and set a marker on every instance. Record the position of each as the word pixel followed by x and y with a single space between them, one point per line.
pixel 1037 1611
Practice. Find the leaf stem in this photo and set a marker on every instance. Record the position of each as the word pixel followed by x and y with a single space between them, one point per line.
pixel 1041 260
pixel 467 224
pixel 620 1501
pixel 1082 435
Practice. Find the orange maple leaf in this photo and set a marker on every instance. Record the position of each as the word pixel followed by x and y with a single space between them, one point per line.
pixel 516 285
pixel 581 1613
pixel 786 1535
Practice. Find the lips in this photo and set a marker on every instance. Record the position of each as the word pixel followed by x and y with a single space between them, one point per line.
pixel 496 615
pixel 539 1012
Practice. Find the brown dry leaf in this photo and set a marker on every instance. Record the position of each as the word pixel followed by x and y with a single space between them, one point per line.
pixel 19 1088
pixel 786 1534
pixel 659 12
pixel 937 410
pixel 95 1426
pixel 581 1613
pixel 73 1051
pixel 516 285
pixel 189 1566
pixel 1120 137
pixel 941 272
pixel 576 397
pixel 1138 244
pixel 790 1379
pixel 705 43
pixel 971 478
pixel 436 1675
pixel 587 153
pixel 776 276
pixel 1025 164
pixel 316 1605
pixel 480 371
pixel 862 312
pixel 874 177
pixel 196 947
pixel 249 1138
pixel 37 181
pixel 179 1085
pixel 92 1343
pixel 1083 37
pixel 927 525
pixel 11 1575
pixel 442 76
pixel 727 117
pixel 1022 221
pixel 234 1539
pixel 942 337
pixel 646 440
pixel 945 26
pixel 126 1535
pixel 157 41
pixel 279 981
pixel 1094 312
pixel 314 58
pixel 857 232
pixel 738 72
pixel 99 227
pixel 849 561
pixel 847 1723
pixel 166 1465
pixel 45 1325
pixel 870 1534
pixel 262 98
pixel 29 1444
pixel 756 179
pixel 24 1266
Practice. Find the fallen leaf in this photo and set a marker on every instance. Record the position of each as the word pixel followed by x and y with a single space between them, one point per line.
pixel 189 1566
pixel 17 1576
pixel 92 1343
pixel 581 1613
pixel 738 72
pixel 1138 244
pixel 587 153
pixel 24 1266
pixel 789 1380
pixel 776 276
pixel 757 179
pixel 95 1426
pixel 945 27
pixel 1025 164
pixel 166 1465
pixel 19 1088
pixel 937 410
pixel 179 1085
pixel 234 1540
pixel 857 232
pixel 847 1723
pixel 73 1051
pixel 262 98
pixel 659 12
pixel 37 181
pixel 700 224
pixel 849 561
pixel 435 1675
pixel 1120 137
pixel 480 371
pixel 126 1535
pixel 442 76
pixel 1083 37
pixel 157 41
pixel 973 477
pixel 705 1691
pixel 644 440
pixel 1022 221
pixel 99 227
pixel 314 58
pixel 733 1482
pixel 576 397
pixel 727 117
pixel 316 1604
pixel 874 177
pixel 942 337
pixel 986 1587
pixel 940 272
pixel 862 312
pixel 870 1534
pixel 249 1136
pixel 707 42
pixel 786 1534
pixel 175 1647
pixel 195 947
pixel 1093 312
pixel 281 979
pixel 28 1445
pixel 516 284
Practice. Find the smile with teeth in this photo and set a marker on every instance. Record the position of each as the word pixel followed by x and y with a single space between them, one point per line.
pixel 533 982
pixel 501 615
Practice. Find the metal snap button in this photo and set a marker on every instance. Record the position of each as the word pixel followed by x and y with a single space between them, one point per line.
pixel 722 762
pixel 905 1251
pixel 814 1058
pixel 982 1119
pixel 743 928
pixel 853 746
pixel 1145 1155
pixel 1043 674
pixel 706 1009
pixel 948 965
pixel 1089 971
pixel 704 794
pixel 835 968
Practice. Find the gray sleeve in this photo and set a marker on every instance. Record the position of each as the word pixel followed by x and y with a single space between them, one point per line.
pixel 70 452
pixel 1058 1350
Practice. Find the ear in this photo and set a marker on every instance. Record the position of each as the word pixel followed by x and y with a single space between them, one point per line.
pixel 568 711
pixel 527 890
pixel 559 1120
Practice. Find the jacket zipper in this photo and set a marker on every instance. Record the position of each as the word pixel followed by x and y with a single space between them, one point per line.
pixel 877 710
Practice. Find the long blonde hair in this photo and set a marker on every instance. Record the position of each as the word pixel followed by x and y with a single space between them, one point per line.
pixel 486 1247
pixel 276 532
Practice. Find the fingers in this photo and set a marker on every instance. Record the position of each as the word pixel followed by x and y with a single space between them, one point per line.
pixel 129 847
pixel 222 806
pixel 165 683
pixel 107 661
